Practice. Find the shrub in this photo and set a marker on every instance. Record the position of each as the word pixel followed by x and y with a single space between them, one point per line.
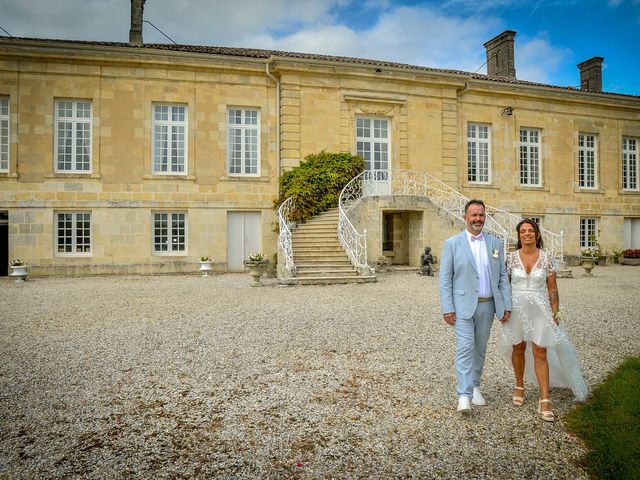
pixel 631 253
pixel 316 183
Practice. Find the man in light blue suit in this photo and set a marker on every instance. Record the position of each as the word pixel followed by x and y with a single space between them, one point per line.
pixel 474 287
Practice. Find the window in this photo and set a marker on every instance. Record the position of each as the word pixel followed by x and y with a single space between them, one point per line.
pixel 4 134
pixel 169 232
pixel 243 156
pixel 630 163
pixel 372 144
pixel 587 160
pixel 478 153
pixel 588 232
pixel 73 232
pixel 169 148
pixel 530 157
pixel 73 136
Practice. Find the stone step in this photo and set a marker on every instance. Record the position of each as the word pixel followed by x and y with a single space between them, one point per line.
pixel 320 228
pixel 315 242
pixel 326 280
pixel 320 234
pixel 305 268
pixel 321 247
pixel 301 257
pixel 324 264
pixel 326 273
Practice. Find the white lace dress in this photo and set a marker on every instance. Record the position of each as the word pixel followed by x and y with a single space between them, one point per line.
pixel 531 321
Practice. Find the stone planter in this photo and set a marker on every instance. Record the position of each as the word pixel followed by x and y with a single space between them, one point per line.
pixel 630 261
pixel 587 263
pixel 206 267
pixel 19 272
pixel 601 261
pixel 257 269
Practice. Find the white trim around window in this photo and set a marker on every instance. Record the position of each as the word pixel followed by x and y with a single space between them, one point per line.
pixel 588 232
pixel 243 142
pixel 478 153
pixel 630 167
pixel 169 139
pixel 73 134
pixel 373 144
pixel 530 161
pixel 4 133
pixel 73 234
pixel 588 160
pixel 169 235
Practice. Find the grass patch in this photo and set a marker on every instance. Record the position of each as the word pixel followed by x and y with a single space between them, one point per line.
pixel 609 423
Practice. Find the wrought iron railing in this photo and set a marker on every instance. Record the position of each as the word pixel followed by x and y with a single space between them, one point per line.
pixel 499 222
pixel 285 244
pixel 405 182
pixel 354 242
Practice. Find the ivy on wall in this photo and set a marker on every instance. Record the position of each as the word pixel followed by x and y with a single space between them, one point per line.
pixel 316 183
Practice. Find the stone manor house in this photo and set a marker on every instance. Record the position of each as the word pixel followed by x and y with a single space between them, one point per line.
pixel 140 158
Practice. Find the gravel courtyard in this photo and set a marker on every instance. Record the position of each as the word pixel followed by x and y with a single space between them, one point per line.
pixel 189 377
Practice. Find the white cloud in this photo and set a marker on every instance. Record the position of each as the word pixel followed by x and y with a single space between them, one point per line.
pixel 414 35
pixel 537 60
pixel 418 35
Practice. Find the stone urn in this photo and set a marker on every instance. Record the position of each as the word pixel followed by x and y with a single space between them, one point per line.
pixel 257 269
pixel 206 266
pixel 587 263
pixel 19 272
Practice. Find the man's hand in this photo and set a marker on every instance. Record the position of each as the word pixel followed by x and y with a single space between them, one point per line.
pixel 450 318
pixel 505 317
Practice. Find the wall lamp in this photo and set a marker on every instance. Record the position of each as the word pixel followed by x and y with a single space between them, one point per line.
pixel 507 111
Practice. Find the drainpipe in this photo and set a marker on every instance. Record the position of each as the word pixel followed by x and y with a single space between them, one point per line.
pixel 272 77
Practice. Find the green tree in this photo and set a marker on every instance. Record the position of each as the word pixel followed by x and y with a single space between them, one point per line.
pixel 316 183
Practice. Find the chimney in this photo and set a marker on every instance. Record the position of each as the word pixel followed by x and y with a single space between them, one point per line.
pixel 135 33
pixel 500 56
pixel 591 74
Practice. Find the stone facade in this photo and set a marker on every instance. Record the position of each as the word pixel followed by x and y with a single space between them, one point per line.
pixel 306 104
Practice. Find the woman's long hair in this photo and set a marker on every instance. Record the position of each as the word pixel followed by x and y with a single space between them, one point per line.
pixel 536 228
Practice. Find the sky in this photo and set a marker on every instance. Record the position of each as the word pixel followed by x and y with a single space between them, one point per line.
pixel 553 36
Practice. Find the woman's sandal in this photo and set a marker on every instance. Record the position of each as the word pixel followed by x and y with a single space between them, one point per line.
pixel 547 415
pixel 518 401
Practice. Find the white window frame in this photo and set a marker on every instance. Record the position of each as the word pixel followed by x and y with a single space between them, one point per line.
pixel 78 138
pixel 4 134
pixel 588 232
pixel 478 143
pixel 243 142
pixel 172 235
pixel 169 139
pixel 530 158
pixel 373 144
pixel 630 166
pixel 588 161
pixel 79 237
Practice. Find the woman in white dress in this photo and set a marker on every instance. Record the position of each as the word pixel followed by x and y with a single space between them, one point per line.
pixel 551 359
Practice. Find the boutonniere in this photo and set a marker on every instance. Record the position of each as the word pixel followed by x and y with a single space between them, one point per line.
pixel 495 253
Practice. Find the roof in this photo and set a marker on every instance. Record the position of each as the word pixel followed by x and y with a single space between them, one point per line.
pixel 267 54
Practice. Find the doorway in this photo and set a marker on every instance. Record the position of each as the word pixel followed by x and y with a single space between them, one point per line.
pixel 244 237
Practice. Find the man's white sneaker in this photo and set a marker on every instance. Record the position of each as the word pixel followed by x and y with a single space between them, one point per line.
pixel 478 399
pixel 464 404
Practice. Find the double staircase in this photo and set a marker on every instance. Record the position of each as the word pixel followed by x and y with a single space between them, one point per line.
pixel 318 255
pixel 329 249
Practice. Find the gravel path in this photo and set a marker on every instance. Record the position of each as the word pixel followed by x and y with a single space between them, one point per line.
pixel 184 377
